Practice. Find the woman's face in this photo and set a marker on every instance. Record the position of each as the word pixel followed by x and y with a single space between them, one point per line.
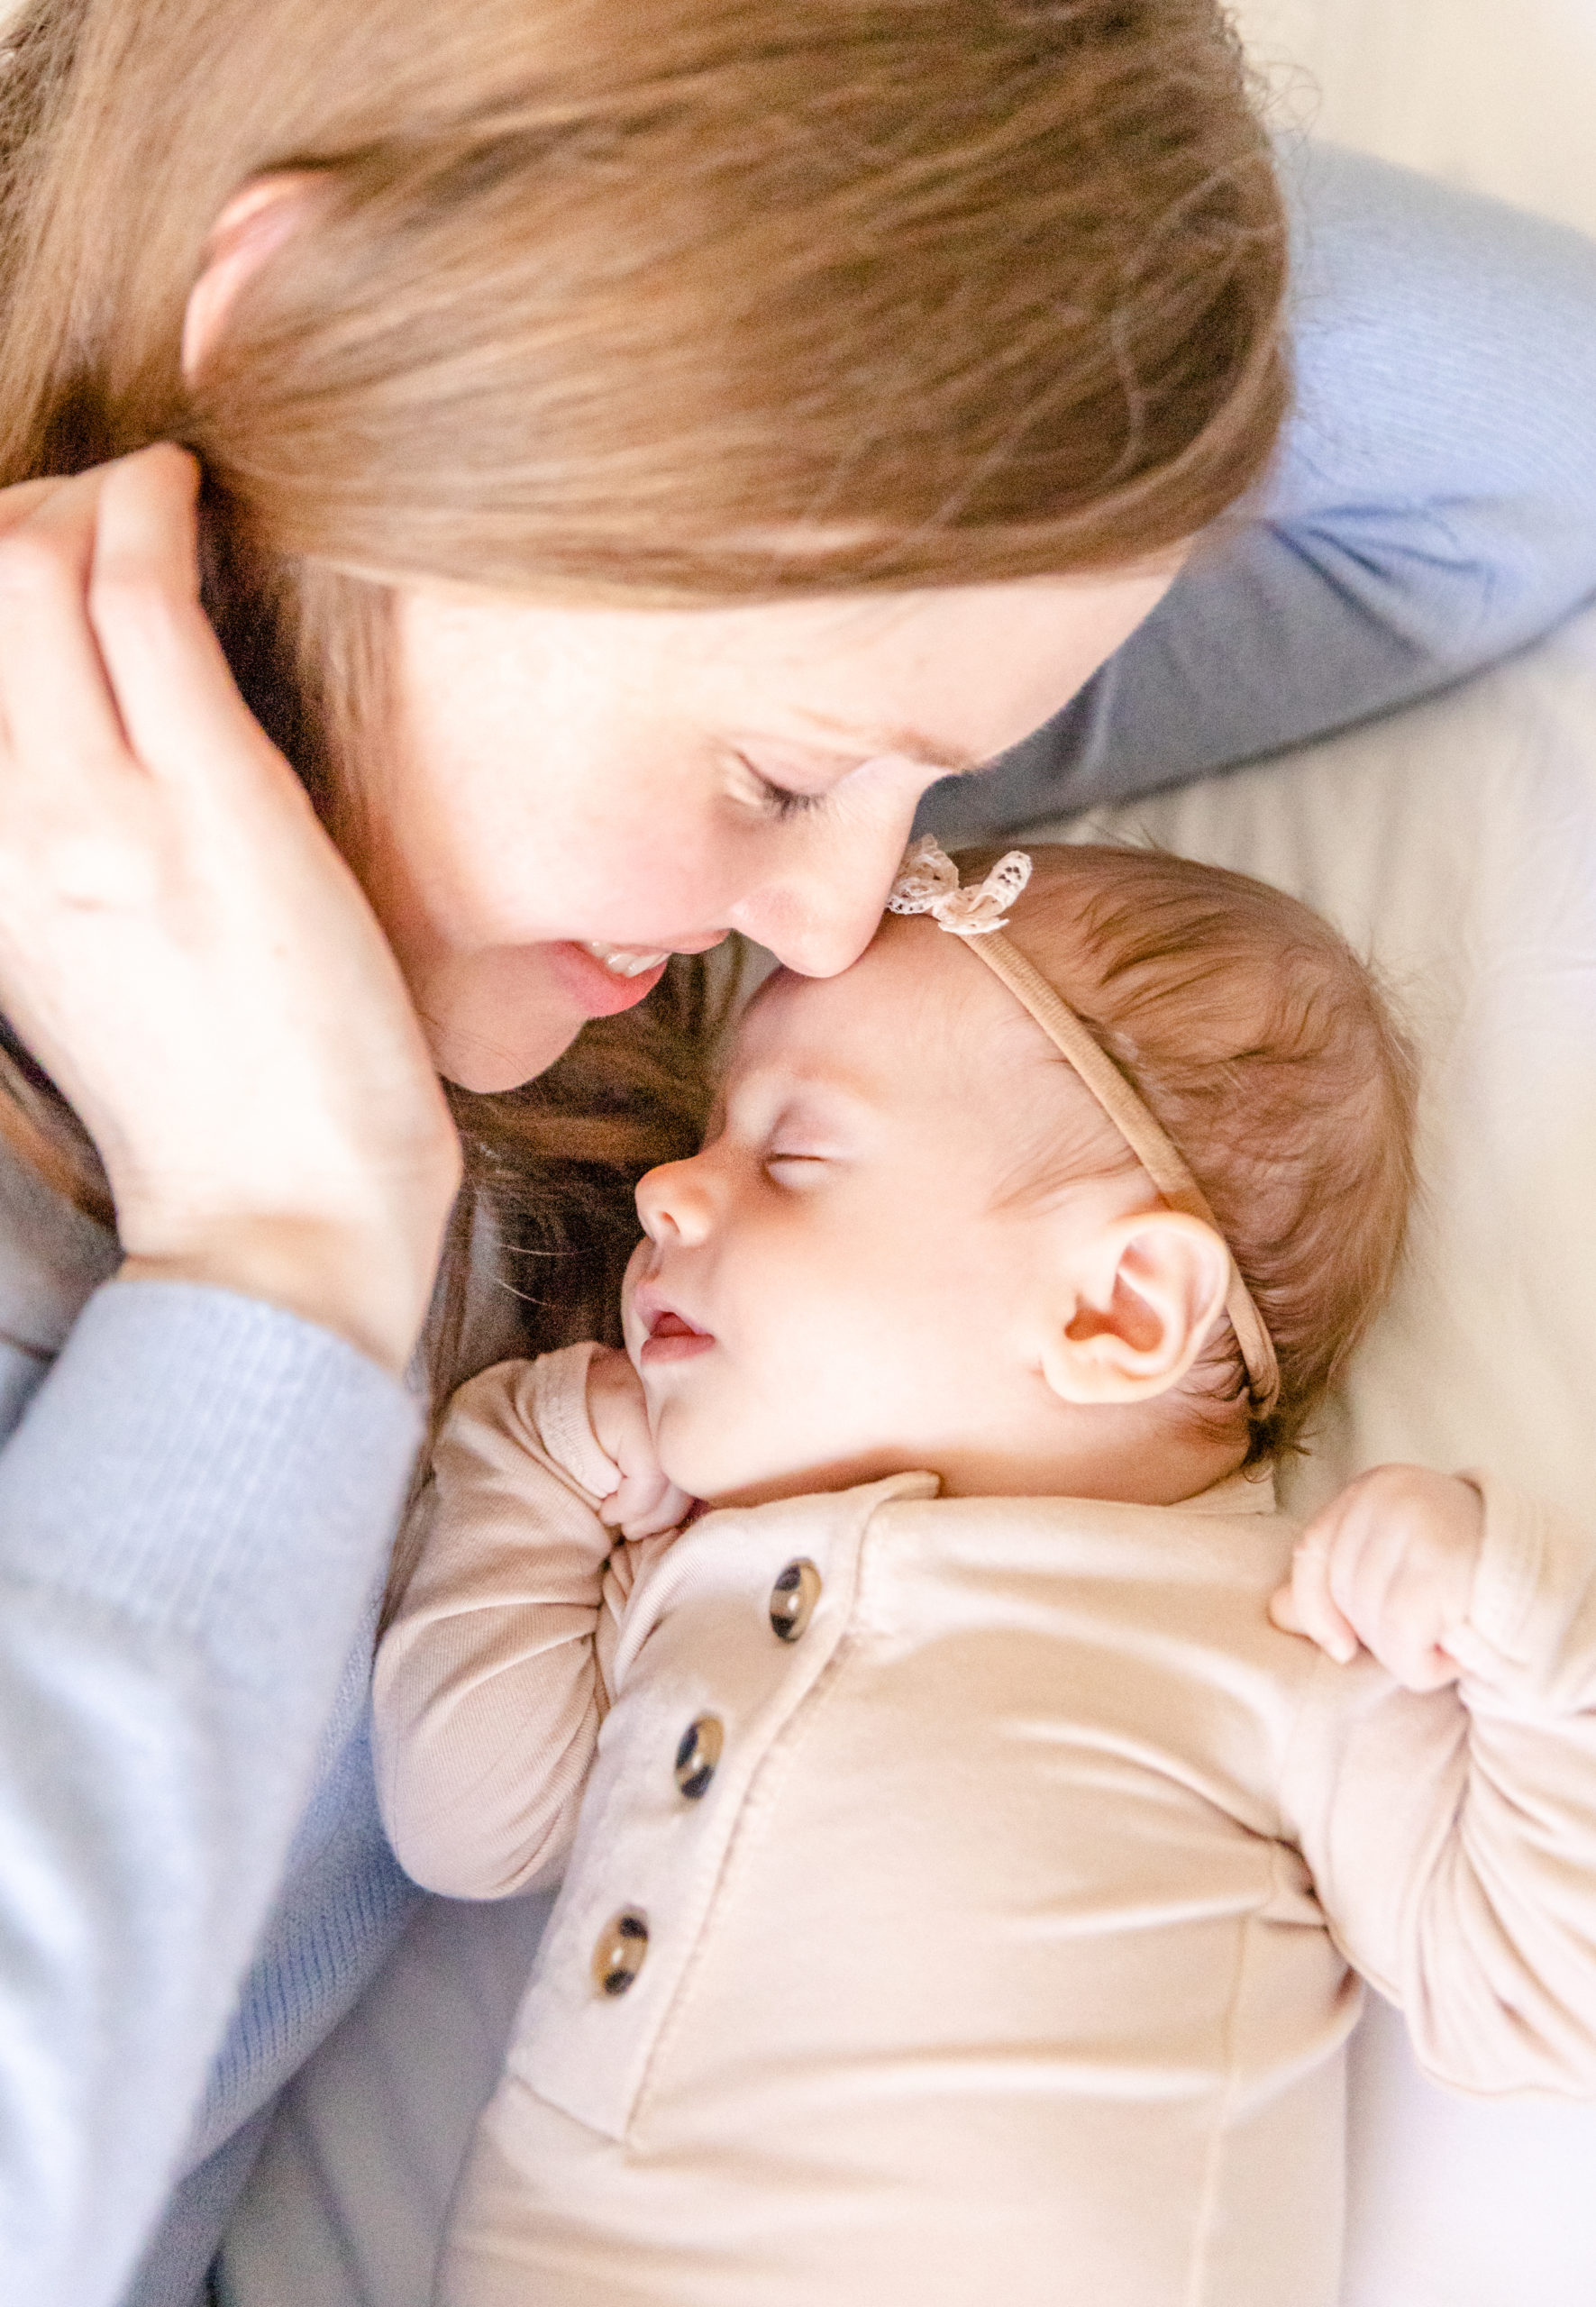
pixel 644 780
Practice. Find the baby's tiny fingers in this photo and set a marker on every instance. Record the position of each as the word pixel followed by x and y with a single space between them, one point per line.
pixel 669 1514
pixel 1409 1634
pixel 642 1510
pixel 1283 1611
pixel 1468 1654
pixel 1312 1603
pixel 645 1503
pixel 676 1505
pixel 1410 1655
pixel 1433 1670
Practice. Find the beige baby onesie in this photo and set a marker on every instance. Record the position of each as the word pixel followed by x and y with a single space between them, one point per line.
pixel 990 1870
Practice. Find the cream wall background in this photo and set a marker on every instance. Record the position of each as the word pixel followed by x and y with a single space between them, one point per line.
pixel 1499 94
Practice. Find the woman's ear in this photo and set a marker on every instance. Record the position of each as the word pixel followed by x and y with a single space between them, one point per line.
pixel 253 226
pixel 1144 1295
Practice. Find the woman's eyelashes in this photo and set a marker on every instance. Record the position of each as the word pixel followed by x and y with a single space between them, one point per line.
pixel 774 800
pixel 782 803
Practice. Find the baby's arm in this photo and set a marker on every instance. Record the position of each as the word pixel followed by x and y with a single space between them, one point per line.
pixel 1452 1833
pixel 487 1690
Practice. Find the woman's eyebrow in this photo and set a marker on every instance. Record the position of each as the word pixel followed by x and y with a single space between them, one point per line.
pixel 940 753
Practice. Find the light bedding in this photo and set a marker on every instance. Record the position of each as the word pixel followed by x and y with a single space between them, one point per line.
pixel 1458 842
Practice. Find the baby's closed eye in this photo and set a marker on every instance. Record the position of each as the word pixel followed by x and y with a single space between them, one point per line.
pixel 796 1172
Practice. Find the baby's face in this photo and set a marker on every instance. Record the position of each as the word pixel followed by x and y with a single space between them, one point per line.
pixel 836 1287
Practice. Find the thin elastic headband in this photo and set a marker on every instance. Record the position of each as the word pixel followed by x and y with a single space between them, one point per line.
pixel 928 882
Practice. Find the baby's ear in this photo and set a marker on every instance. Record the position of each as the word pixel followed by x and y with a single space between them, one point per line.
pixel 1138 1302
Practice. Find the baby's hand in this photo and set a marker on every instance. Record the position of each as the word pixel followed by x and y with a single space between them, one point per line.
pixel 1390 1564
pixel 644 1502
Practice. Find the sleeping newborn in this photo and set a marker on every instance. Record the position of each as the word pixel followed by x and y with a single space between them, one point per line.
pixel 970 1866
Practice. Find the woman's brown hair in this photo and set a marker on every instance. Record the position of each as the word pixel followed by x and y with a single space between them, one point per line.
pixel 682 301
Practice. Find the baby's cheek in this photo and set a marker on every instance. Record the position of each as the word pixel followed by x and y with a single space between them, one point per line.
pixel 703 1444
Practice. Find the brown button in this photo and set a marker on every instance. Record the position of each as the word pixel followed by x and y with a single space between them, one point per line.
pixel 618 1956
pixel 793 1598
pixel 698 1755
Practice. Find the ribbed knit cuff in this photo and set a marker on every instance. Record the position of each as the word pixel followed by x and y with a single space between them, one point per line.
pixel 560 1406
pixel 205 1463
pixel 1531 1632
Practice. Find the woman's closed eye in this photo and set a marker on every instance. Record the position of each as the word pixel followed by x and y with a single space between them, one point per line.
pixel 774 800
pixel 781 803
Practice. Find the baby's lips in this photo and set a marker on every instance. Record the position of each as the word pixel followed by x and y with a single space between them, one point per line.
pixel 671 1336
pixel 670 1325
pixel 657 1316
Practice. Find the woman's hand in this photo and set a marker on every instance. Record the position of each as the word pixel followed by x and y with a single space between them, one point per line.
pixel 1390 1564
pixel 181 946
pixel 646 1501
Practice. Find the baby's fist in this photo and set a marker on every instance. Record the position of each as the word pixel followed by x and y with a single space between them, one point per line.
pixel 1390 1564
pixel 644 1501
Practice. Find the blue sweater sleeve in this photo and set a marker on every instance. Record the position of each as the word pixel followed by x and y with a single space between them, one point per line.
pixel 194 1511
pixel 1433 506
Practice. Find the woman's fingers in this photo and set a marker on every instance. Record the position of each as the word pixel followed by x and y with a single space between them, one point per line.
pixel 109 662
pixel 174 691
pixel 58 717
pixel 20 500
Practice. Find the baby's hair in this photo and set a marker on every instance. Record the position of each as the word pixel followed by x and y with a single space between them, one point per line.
pixel 1266 1049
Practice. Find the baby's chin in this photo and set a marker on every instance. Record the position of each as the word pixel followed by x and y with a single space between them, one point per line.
pixel 727 1443
pixel 715 1485
pixel 716 1480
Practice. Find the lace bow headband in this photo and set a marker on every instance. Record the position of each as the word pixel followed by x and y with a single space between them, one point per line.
pixel 928 882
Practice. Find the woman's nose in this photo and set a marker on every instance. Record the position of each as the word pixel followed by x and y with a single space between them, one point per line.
pixel 817 920
pixel 673 1204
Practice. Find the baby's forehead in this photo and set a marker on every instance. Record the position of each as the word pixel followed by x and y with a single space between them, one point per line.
pixel 913 1011
pixel 801 1034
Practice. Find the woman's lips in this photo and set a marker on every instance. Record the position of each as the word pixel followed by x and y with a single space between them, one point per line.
pixel 597 990
pixel 671 1338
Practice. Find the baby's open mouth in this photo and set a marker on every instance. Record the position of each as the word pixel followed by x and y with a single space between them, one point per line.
pixel 671 1338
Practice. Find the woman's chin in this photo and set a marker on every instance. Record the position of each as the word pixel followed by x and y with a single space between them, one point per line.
pixel 501 1018
pixel 484 1063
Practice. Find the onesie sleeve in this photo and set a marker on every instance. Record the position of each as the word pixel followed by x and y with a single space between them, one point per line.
pixel 488 1693
pixel 1432 508
pixel 1452 1836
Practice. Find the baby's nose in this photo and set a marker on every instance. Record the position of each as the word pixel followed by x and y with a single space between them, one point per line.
pixel 673 1203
